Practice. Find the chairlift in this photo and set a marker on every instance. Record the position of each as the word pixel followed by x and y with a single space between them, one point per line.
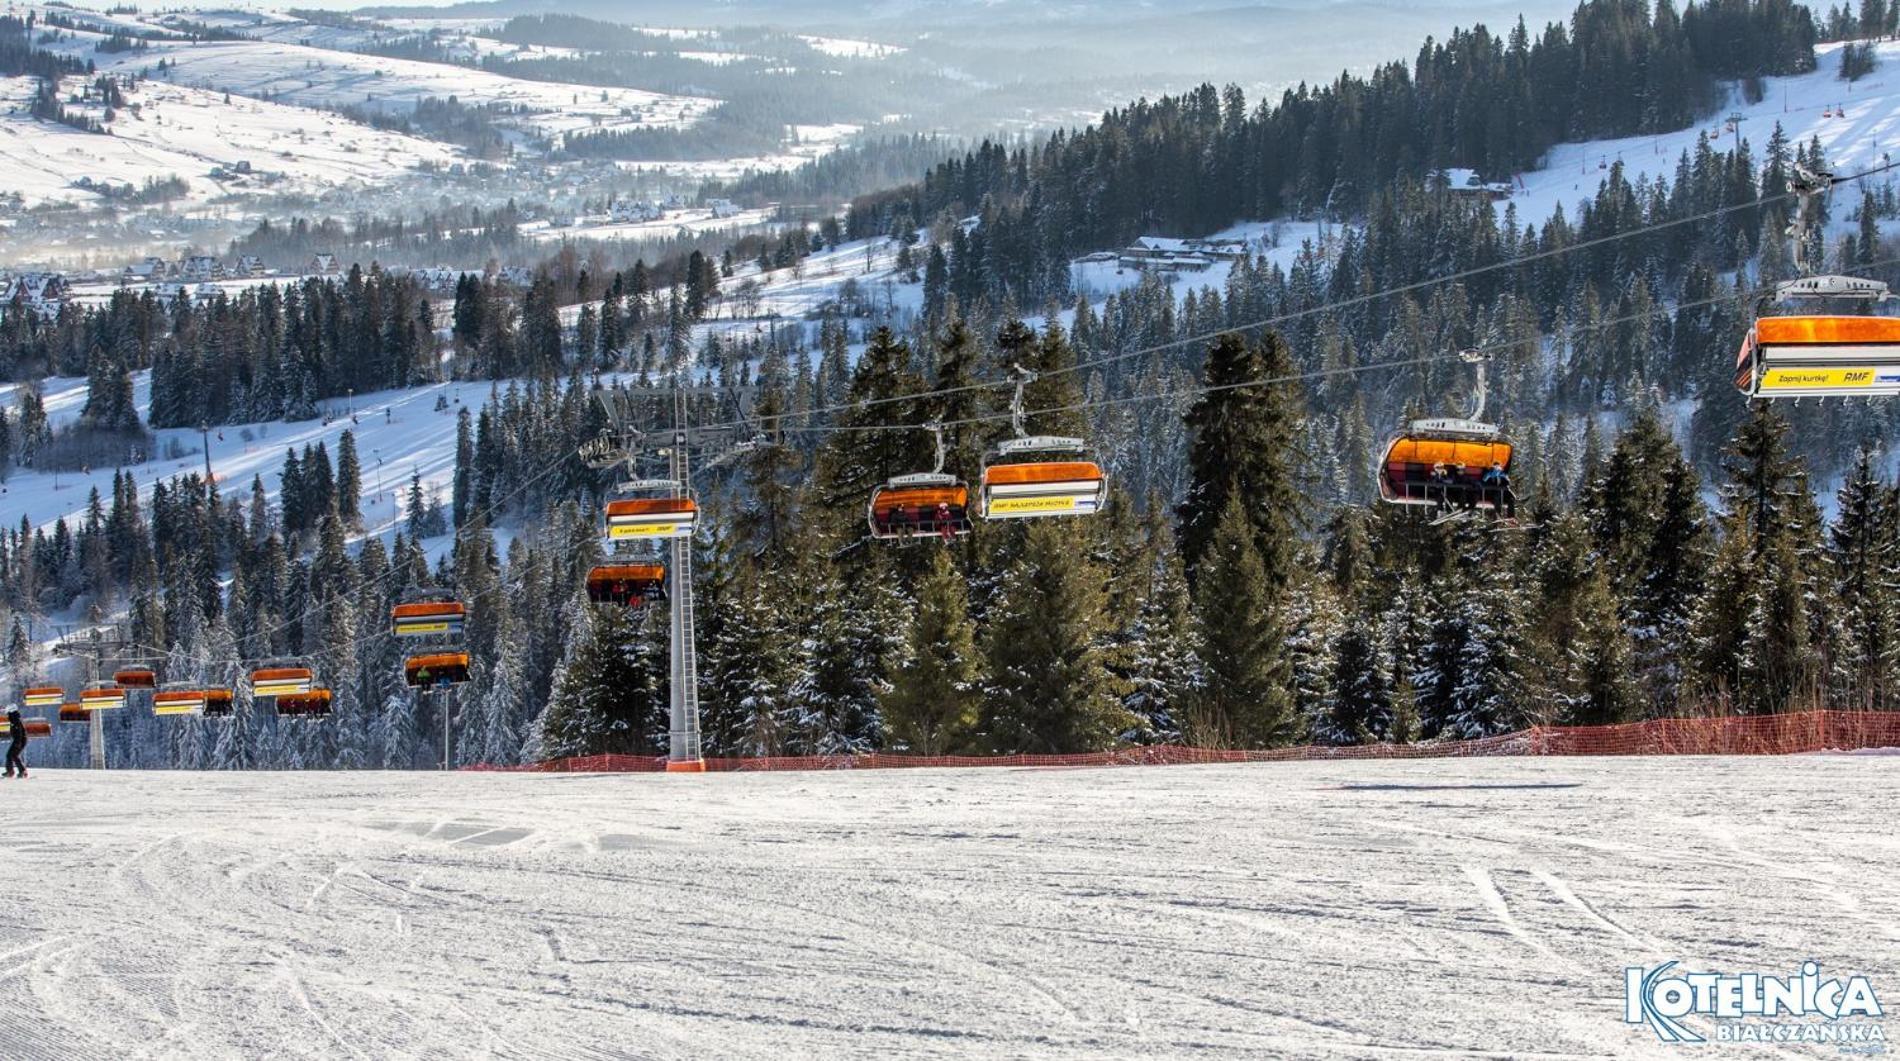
pixel 630 585
pixel 277 679
pixel 649 518
pixel 430 614
pixel 219 702
pixel 183 699
pixel 1823 336
pixel 37 726
pixel 102 697
pixel 1463 449
pixel 435 668
pixel 136 677
pixel 1021 481
pixel 1820 336
pixel 71 712
pixel 44 696
pixel 932 503
pixel 314 703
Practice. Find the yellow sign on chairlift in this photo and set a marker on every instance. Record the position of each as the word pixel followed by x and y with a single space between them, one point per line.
pixel 1811 378
pixel 1002 505
pixel 646 530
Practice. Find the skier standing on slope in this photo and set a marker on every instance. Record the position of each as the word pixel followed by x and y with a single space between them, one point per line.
pixel 16 732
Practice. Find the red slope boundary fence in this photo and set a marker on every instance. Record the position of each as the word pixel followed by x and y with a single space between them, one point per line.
pixel 1808 731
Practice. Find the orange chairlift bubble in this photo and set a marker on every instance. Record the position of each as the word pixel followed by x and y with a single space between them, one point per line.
pixel 218 702
pixel 1461 451
pixel 439 617
pixel 313 704
pixel 1821 336
pixel 282 679
pixel 649 518
pixel 1448 463
pixel 102 697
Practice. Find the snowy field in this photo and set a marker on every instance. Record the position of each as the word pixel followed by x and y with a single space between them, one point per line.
pixel 175 131
pixel 305 76
pixel 1398 909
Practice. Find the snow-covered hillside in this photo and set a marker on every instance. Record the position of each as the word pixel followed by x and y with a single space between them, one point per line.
pixel 398 433
pixel 171 131
pixel 307 76
pixel 1436 909
pixel 1858 124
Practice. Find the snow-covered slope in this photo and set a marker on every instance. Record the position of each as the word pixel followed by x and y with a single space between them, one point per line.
pixel 174 131
pixel 1376 910
pixel 1864 135
pixel 317 77
pixel 398 433
pixel 1857 125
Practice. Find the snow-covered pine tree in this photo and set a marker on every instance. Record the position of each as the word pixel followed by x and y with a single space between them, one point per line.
pixel 1241 452
pixel 1161 650
pixel 1362 700
pixel 1753 628
pixel 1863 549
pixel 499 698
pixel 1246 695
pixel 1580 644
pixel 1047 685
pixel 607 690
pixel 852 636
pixel 1487 694
pixel 932 702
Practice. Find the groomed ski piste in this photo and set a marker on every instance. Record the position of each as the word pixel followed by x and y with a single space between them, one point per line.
pixel 1455 909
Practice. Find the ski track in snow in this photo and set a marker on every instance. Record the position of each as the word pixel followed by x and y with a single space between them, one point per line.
pixel 1337 910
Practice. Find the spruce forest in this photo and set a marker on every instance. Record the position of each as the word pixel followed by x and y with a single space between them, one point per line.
pixel 1681 550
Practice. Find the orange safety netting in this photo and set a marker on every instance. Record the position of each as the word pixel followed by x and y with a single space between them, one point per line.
pixel 1810 731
